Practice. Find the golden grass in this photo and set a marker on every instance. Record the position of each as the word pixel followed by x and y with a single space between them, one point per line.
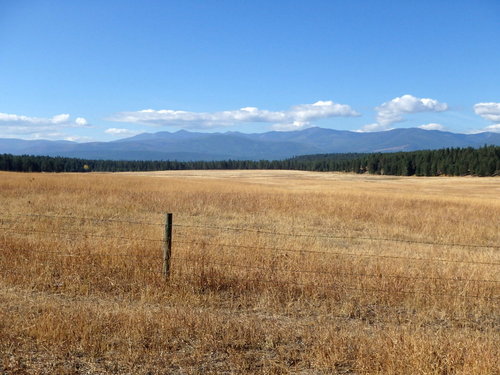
pixel 87 296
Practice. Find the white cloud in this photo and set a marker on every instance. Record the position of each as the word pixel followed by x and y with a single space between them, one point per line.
pixel 76 138
pixel 29 134
pixel 373 128
pixel 489 111
pixel 12 125
pixel 81 121
pixel 492 128
pixel 432 126
pixel 392 111
pixel 296 117
pixel 117 131
pixel 296 125
pixel 63 120
pixel 58 119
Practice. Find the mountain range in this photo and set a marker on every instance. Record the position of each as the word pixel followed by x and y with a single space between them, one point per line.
pixel 186 146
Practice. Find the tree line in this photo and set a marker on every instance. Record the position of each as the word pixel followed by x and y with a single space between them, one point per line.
pixel 484 161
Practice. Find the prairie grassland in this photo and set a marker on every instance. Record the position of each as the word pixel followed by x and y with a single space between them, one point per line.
pixel 327 273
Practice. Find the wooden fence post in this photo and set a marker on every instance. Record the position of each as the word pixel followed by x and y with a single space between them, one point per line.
pixel 167 246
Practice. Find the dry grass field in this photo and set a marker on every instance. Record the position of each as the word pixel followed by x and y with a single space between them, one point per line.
pixel 273 272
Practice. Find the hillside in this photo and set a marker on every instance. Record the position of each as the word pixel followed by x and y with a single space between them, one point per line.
pixel 189 146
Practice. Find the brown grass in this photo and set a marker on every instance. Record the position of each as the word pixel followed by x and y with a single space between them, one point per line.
pixel 82 296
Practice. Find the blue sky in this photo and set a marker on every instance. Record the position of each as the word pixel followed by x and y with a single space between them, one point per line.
pixel 102 70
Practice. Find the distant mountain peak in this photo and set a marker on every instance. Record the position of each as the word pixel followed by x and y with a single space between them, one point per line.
pixel 188 145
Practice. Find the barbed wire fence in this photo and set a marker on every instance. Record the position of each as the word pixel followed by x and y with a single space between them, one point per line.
pixel 11 225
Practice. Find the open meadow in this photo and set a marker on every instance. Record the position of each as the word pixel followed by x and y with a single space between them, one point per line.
pixel 272 272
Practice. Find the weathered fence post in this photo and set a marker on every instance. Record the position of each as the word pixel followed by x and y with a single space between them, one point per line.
pixel 167 246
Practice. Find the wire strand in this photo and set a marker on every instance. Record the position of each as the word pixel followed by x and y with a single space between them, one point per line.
pixel 277 282
pixel 335 237
pixel 332 273
pixel 339 253
pixel 17 231
pixel 87 219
